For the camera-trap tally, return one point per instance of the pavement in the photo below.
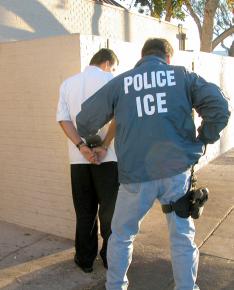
(32, 260)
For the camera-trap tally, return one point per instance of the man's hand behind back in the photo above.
(100, 153)
(89, 154)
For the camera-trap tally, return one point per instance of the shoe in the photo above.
(84, 268)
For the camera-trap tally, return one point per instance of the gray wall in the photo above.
(30, 19)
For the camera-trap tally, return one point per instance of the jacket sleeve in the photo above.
(211, 104)
(97, 110)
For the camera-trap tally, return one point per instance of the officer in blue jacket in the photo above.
(156, 145)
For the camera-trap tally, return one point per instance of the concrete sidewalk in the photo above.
(31, 260)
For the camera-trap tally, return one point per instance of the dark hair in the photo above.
(103, 55)
(157, 46)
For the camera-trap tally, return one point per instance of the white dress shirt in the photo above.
(73, 92)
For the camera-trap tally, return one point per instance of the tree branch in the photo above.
(150, 5)
(222, 36)
(194, 15)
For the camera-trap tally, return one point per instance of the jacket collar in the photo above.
(151, 58)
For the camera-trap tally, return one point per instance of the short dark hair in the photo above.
(157, 46)
(104, 54)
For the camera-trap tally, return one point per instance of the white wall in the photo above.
(34, 173)
(215, 69)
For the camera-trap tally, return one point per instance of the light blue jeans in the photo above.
(133, 202)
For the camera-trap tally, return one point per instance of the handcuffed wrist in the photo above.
(80, 144)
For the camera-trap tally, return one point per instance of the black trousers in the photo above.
(94, 191)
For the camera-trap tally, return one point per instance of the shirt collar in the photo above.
(93, 67)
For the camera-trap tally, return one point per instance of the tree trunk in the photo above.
(168, 11)
(168, 16)
(231, 50)
(208, 24)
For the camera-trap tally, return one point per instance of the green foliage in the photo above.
(177, 11)
(230, 4)
(159, 8)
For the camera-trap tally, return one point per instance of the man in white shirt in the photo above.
(94, 175)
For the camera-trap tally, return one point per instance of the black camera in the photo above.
(198, 198)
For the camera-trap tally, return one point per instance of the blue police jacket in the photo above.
(155, 131)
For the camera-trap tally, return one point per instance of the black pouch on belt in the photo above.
(181, 206)
(191, 204)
